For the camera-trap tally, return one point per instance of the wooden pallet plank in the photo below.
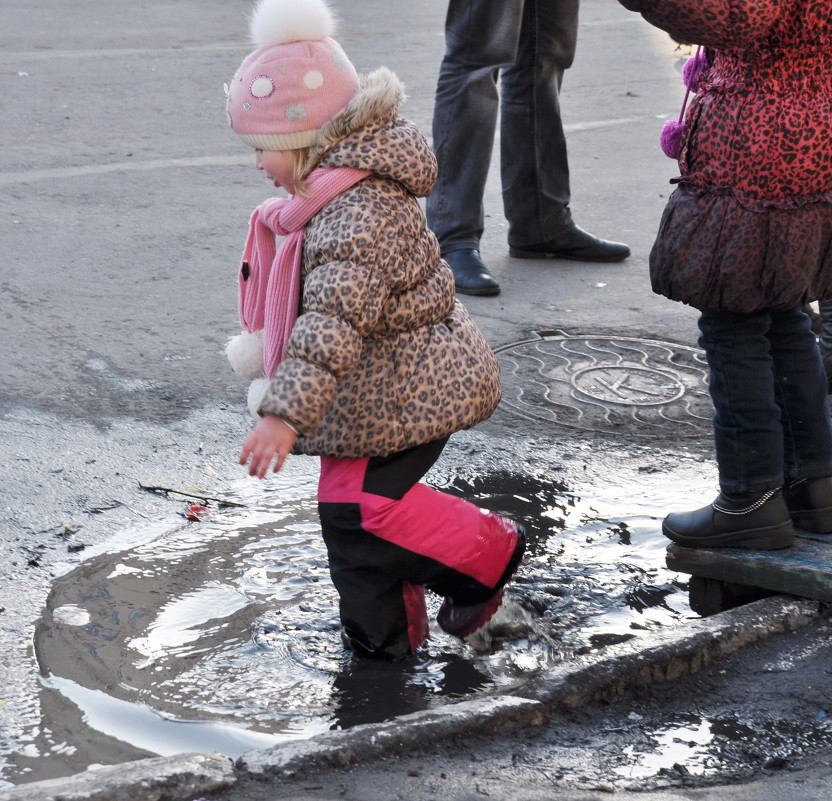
(805, 569)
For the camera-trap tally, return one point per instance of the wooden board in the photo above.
(805, 569)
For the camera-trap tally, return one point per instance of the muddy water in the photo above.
(722, 746)
(223, 635)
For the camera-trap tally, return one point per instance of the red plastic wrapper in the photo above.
(197, 512)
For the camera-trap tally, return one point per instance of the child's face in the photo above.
(279, 166)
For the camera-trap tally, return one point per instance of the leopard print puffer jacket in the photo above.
(382, 356)
(750, 225)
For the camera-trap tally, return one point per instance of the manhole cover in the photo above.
(607, 384)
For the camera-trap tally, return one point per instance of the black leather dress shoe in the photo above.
(759, 521)
(575, 244)
(470, 274)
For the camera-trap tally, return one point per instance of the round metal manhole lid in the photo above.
(607, 384)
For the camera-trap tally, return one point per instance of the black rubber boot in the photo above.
(810, 503)
(760, 520)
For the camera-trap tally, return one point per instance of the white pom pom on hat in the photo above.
(296, 80)
(276, 22)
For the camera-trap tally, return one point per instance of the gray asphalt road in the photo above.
(124, 205)
(122, 212)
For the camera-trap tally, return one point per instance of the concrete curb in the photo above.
(361, 743)
(652, 658)
(665, 655)
(184, 776)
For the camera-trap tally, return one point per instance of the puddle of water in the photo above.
(596, 573)
(684, 743)
(223, 635)
(723, 746)
(147, 729)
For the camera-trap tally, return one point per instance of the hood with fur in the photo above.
(369, 135)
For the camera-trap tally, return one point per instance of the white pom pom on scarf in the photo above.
(256, 392)
(245, 354)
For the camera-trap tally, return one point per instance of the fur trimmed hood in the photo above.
(368, 134)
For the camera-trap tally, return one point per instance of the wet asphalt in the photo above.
(123, 205)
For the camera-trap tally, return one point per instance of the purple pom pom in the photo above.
(694, 68)
(671, 138)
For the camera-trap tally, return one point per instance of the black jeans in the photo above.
(768, 386)
(527, 44)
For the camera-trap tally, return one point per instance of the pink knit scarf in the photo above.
(269, 279)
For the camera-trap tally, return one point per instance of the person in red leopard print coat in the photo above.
(746, 238)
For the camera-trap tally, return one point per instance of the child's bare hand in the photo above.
(270, 438)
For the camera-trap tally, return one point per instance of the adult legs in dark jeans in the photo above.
(825, 338)
(481, 37)
(534, 167)
(771, 428)
(532, 43)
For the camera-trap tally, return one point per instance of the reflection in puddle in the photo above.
(722, 746)
(684, 744)
(144, 728)
(224, 633)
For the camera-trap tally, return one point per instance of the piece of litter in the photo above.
(197, 512)
(66, 529)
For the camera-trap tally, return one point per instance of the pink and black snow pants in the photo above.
(390, 537)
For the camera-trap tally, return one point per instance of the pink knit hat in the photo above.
(295, 81)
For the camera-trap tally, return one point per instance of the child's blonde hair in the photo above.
(300, 170)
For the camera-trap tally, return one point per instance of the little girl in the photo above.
(746, 238)
(365, 357)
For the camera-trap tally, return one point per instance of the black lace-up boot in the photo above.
(759, 520)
